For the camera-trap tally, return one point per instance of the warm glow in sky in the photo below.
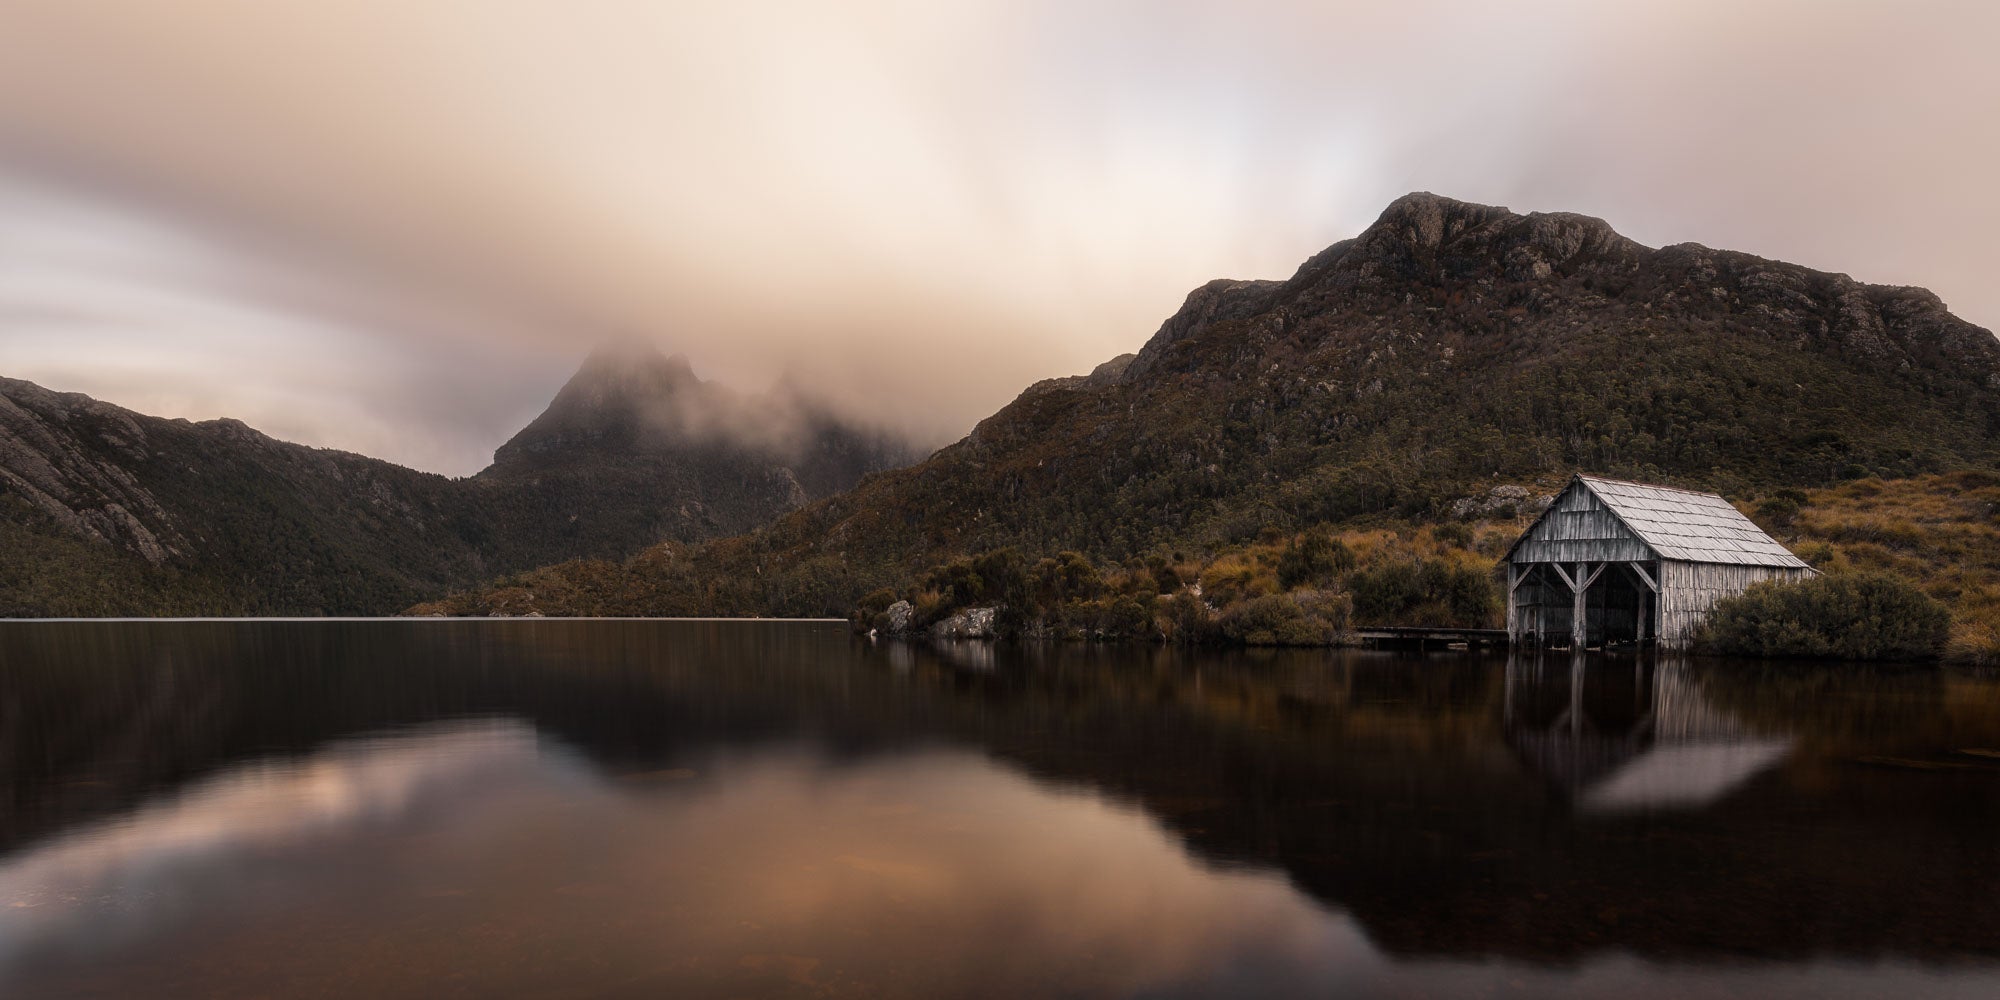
(395, 226)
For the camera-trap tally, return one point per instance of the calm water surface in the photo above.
(638, 809)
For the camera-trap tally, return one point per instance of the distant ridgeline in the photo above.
(1398, 375)
(1448, 349)
(108, 512)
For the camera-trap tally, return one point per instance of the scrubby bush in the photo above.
(1316, 558)
(1333, 608)
(871, 607)
(1004, 581)
(1387, 592)
(1274, 620)
(1125, 618)
(1454, 534)
(957, 581)
(1443, 592)
(931, 607)
(1781, 507)
(1184, 617)
(1237, 577)
(1860, 616)
(1069, 576)
(1003, 576)
(1974, 644)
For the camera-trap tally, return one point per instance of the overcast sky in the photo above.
(395, 227)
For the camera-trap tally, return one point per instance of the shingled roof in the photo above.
(1690, 526)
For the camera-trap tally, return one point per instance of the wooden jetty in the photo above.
(1420, 638)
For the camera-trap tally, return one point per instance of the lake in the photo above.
(731, 809)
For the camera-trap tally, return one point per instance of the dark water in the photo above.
(557, 809)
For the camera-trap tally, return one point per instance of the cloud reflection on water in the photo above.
(132, 872)
(458, 842)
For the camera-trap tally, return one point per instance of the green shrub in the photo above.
(1862, 616)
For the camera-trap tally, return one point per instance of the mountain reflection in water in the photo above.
(729, 809)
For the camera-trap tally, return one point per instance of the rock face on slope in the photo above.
(103, 510)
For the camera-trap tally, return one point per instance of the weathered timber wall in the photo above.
(1688, 590)
(1579, 528)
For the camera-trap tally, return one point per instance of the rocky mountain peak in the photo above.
(623, 393)
(1434, 270)
(632, 412)
(625, 370)
(1424, 220)
(1424, 236)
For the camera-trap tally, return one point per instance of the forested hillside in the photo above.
(1449, 348)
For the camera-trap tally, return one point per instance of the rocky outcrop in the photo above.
(66, 456)
(1501, 502)
(966, 623)
(898, 618)
(899, 621)
(1219, 300)
(1108, 373)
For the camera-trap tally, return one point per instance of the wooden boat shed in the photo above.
(1612, 561)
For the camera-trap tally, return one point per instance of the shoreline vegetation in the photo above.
(1924, 549)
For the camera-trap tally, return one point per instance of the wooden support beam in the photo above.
(1639, 573)
(1514, 575)
(1564, 574)
(1593, 574)
(1577, 634)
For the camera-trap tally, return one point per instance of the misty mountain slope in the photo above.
(1448, 346)
(636, 449)
(106, 511)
